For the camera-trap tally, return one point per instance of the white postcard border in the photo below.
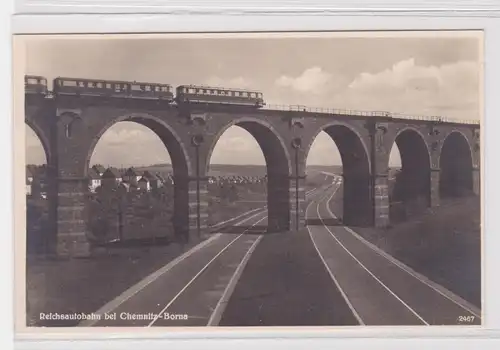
(161, 23)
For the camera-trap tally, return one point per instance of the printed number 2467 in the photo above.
(466, 319)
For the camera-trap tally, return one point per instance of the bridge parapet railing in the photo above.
(352, 112)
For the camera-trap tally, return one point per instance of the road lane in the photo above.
(250, 212)
(200, 299)
(221, 224)
(153, 297)
(431, 305)
(369, 298)
(139, 304)
(203, 300)
(285, 284)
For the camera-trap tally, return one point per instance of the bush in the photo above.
(131, 215)
(36, 225)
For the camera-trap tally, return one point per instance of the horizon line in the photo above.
(169, 164)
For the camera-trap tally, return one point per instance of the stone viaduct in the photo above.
(439, 157)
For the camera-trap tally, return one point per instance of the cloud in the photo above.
(402, 75)
(312, 80)
(236, 82)
(237, 146)
(324, 151)
(450, 90)
(123, 137)
(128, 143)
(35, 154)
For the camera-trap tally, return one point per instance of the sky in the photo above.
(417, 75)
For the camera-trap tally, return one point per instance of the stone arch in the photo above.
(348, 128)
(181, 163)
(44, 140)
(456, 166)
(411, 187)
(278, 164)
(39, 228)
(356, 165)
(256, 127)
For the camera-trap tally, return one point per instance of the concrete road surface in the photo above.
(379, 289)
(320, 276)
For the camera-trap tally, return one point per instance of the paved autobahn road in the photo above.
(196, 284)
(379, 289)
(321, 276)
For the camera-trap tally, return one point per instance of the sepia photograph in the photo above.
(249, 179)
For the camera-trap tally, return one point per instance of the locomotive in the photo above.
(35, 84)
(212, 95)
(107, 88)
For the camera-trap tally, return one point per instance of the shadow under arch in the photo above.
(411, 186)
(455, 162)
(181, 164)
(278, 165)
(357, 205)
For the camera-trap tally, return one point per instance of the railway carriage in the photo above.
(35, 84)
(108, 88)
(213, 95)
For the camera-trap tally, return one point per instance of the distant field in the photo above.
(250, 170)
(336, 169)
(230, 169)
